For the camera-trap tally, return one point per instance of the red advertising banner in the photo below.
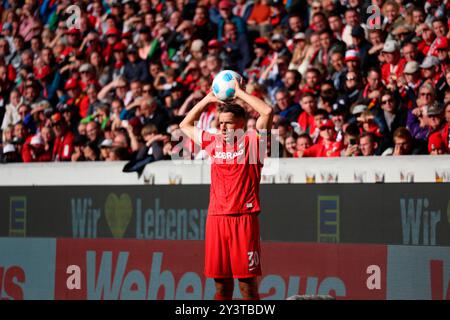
(144, 269)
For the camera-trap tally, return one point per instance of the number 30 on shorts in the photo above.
(253, 259)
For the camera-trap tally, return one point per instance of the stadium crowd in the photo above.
(115, 82)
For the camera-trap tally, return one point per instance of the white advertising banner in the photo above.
(404, 169)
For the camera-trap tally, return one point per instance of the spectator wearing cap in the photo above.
(426, 33)
(435, 118)
(352, 61)
(10, 154)
(328, 146)
(299, 48)
(88, 76)
(430, 70)
(236, 48)
(34, 150)
(112, 37)
(73, 42)
(226, 14)
(403, 34)
(105, 148)
(394, 64)
(436, 145)
(63, 147)
(440, 50)
(408, 85)
(339, 116)
(278, 45)
(135, 67)
(49, 81)
(74, 96)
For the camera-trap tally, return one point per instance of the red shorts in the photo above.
(232, 246)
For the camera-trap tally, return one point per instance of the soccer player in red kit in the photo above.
(232, 241)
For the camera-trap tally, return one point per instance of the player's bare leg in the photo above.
(224, 289)
(249, 288)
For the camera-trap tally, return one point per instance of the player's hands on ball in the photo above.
(211, 98)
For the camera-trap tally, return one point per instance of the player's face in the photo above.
(229, 124)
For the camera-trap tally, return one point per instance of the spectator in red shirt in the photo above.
(424, 31)
(394, 64)
(308, 103)
(328, 147)
(63, 148)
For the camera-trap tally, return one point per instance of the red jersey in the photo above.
(235, 173)
(306, 122)
(324, 150)
(387, 69)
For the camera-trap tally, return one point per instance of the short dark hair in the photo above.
(404, 133)
(369, 135)
(321, 112)
(233, 108)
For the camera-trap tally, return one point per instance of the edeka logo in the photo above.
(421, 272)
(17, 216)
(328, 219)
(419, 221)
(27, 268)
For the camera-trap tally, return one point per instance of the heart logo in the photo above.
(118, 211)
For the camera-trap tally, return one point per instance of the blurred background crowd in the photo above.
(113, 84)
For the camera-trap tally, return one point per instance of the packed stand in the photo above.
(116, 84)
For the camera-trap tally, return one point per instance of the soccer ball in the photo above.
(223, 84)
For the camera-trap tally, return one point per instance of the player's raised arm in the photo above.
(188, 123)
(265, 111)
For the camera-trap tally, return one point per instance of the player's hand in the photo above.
(211, 98)
(238, 88)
